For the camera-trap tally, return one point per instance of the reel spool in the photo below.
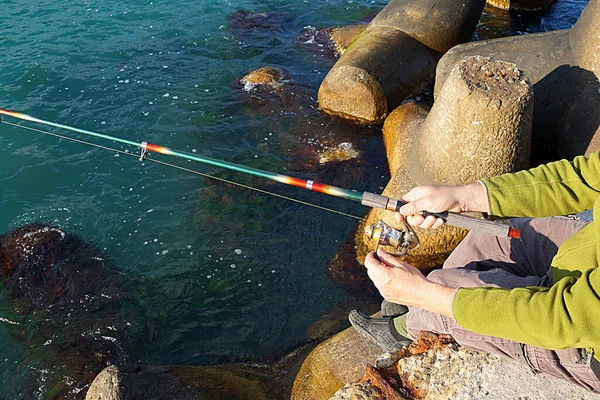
(401, 240)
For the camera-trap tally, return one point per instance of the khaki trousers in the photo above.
(485, 260)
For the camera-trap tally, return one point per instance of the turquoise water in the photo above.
(235, 275)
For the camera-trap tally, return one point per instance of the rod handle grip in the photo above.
(496, 228)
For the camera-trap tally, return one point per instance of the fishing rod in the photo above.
(381, 232)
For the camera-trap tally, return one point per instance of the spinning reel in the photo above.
(401, 240)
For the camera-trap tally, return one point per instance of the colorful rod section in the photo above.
(285, 179)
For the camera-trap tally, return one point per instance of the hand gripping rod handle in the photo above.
(496, 228)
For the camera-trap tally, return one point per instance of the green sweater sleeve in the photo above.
(563, 316)
(558, 188)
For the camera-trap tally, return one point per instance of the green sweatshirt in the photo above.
(567, 315)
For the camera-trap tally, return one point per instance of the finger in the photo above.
(415, 220)
(399, 217)
(439, 222)
(428, 222)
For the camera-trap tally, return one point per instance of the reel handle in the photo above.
(497, 228)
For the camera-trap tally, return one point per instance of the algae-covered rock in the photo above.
(331, 364)
(521, 5)
(181, 383)
(66, 304)
(244, 21)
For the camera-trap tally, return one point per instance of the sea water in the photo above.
(236, 275)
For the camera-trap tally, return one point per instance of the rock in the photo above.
(395, 56)
(181, 383)
(266, 76)
(331, 364)
(398, 131)
(358, 391)
(269, 89)
(521, 5)
(68, 305)
(342, 152)
(564, 68)
(436, 368)
(480, 126)
(106, 386)
(242, 21)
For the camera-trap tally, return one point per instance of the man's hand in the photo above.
(472, 197)
(401, 283)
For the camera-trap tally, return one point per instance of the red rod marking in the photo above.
(156, 148)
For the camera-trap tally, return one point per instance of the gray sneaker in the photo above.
(380, 331)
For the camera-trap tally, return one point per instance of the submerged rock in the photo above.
(271, 77)
(317, 41)
(179, 382)
(521, 5)
(66, 305)
(342, 152)
(270, 89)
(247, 21)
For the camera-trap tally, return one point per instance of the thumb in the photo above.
(375, 267)
(387, 259)
(414, 207)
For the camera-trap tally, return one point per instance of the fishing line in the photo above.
(368, 199)
(185, 169)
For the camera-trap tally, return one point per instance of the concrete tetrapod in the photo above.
(480, 126)
(564, 68)
(395, 56)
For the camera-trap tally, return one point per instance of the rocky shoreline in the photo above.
(500, 105)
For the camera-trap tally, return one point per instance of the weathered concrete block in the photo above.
(564, 68)
(395, 56)
(480, 126)
(344, 36)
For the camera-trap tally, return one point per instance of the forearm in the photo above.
(437, 298)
